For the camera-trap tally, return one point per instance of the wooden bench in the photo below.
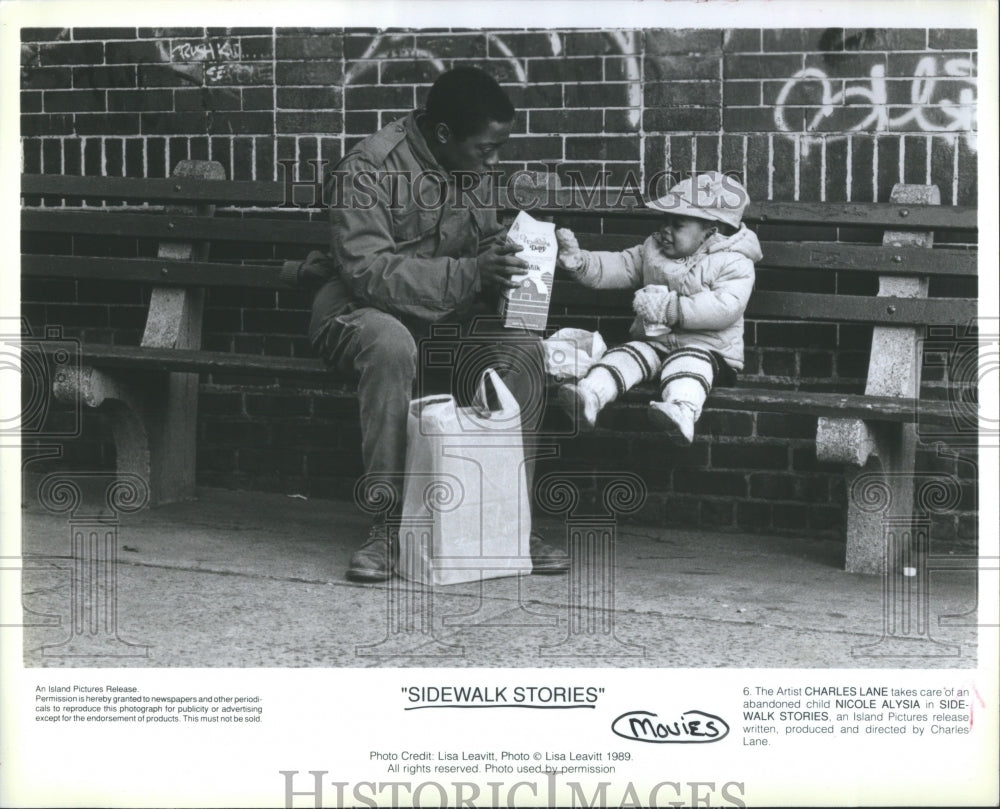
(168, 234)
(877, 263)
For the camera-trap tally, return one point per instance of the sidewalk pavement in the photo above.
(246, 579)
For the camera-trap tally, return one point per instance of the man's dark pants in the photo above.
(394, 362)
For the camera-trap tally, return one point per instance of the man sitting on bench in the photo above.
(415, 242)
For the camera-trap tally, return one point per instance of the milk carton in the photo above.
(527, 305)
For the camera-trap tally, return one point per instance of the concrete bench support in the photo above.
(893, 370)
(154, 417)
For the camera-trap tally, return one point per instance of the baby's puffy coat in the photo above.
(713, 287)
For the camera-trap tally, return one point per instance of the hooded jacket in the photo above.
(713, 286)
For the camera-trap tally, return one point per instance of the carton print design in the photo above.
(527, 306)
(539, 245)
(534, 288)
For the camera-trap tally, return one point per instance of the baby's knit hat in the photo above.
(712, 195)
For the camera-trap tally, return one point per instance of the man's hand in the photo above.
(569, 257)
(498, 264)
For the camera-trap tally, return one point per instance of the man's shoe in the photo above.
(675, 418)
(546, 559)
(375, 560)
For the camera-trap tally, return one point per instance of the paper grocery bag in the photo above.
(465, 504)
(569, 353)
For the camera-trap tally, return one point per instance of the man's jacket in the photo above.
(405, 235)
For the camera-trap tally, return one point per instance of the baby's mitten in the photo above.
(656, 304)
(570, 257)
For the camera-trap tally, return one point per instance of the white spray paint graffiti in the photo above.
(383, 47)
(214, 62)
(386, 46)
(207, 50)
(957, 116)
(626, 42)
(500, 45)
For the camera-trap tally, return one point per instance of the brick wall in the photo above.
(814, 114)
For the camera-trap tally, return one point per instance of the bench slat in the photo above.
(954, 263)
(763, 304)
(141, 189)
(838, 405)
(169, 226)
(153, 270)
(825, 256)
(877, 215)
(841, 405)
(794, 306)
(576, 202)
(195, 361)
(887, 311)
(833, 256)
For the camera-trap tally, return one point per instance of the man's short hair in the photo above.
(467, 99)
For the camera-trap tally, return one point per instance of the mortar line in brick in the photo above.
(822, 170)
(642, 99)
(849, 162)
(796, 167)
(274, 104)
(722, 107)
(770, 166)
(745, 167)
(875, 141)
(902, 159)
(956, 144)
(928, 146)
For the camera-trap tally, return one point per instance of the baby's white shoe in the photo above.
(676, 418)
(581, 404)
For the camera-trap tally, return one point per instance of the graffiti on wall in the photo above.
(214, 62)
(206, 50)
(395, 46)
(866, 106)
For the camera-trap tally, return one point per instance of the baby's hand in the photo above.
(656, 304)
(569, 257)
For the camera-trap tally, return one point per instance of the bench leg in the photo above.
(172, 431)
(152, 425)
(893, 370)
(879, 494)
(879, 463)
